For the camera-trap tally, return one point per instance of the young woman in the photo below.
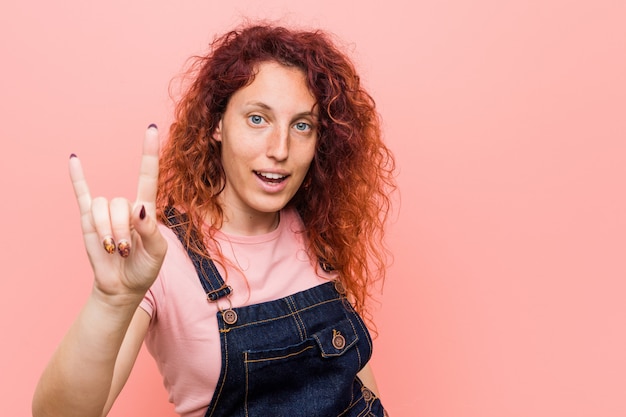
(246, 260)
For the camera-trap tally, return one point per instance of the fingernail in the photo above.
(109, 244)
(142, 213)
(72, 155)
(152, 126)
(123, 247)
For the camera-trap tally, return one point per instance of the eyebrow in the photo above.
(301, 114)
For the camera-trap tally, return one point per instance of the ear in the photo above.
(217, 133)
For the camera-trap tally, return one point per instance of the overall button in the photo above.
(339, 342)
(340, 288)
(367, 394)
(229, 316)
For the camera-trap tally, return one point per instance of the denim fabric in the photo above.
(297, 356)
(279, 359)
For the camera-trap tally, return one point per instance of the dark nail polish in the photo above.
(142, 213)
(72, 155)
(123, 248)
(152, 125)
(108, 244)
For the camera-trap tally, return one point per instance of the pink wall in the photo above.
(507, 293)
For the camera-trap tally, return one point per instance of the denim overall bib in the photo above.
(297, 356)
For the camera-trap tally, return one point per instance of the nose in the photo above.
(278, 144)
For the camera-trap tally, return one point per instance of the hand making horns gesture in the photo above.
(124, 244)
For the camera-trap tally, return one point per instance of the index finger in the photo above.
(81, 189)
(149, 170)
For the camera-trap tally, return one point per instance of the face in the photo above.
(268, 136)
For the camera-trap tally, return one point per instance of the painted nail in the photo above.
(72, 155)
(123, 247)
(152, 125)
(142, 213)
(109, 244)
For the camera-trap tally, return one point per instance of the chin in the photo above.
(270, 206)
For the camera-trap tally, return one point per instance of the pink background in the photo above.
(507, 295)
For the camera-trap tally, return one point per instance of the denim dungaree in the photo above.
(297, 356)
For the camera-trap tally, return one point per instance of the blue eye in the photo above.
(301, 126)
(255, 119)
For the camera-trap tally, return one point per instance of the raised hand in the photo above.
(122, 239)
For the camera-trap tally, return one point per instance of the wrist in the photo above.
(119, 302)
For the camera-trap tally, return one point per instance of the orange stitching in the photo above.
(277, 357)
(245, 401)
(222, 381)
(284, 316)
(299, 322)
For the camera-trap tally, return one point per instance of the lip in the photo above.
(269, 186)
(272, 171)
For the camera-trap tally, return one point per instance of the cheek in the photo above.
(309, 155)
(304, 166)
(237, 154)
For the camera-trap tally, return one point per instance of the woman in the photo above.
(272, 194)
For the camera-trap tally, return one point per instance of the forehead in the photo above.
(276, 86)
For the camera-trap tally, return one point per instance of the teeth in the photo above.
(271, 175)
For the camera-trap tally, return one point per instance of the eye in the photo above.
(255, 119)
(302, 126)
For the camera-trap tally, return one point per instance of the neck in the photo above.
(247, 224)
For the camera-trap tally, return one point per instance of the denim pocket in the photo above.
(330, 342)
(336, 340)
(314, 377)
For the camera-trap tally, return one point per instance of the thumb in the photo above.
(151, 238)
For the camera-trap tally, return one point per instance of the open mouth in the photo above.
(270, 177)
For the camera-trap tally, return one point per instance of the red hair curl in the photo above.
(344, 199)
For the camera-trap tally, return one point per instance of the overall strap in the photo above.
(210, 278)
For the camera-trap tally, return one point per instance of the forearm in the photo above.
(77, 381)
(88, 367)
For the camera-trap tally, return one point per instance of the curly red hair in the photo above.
(344, 199)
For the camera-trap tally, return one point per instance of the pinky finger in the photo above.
(81, 189)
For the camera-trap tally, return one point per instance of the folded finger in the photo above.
(119, 212)
(102, 223)
(151, 239)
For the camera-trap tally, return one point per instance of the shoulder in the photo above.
(168, 234)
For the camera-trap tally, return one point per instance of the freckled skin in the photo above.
(269, 137)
